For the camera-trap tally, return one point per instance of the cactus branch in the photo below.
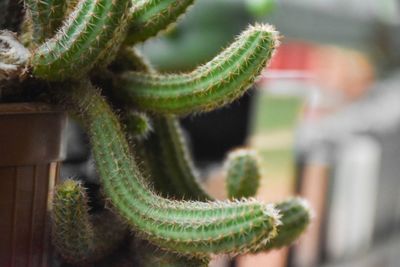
(92, 33)
(242, 173)
(152, 16)
(78, 237)
(46, 16)
(210, 86)
(176, 160)
(295, 217)
(194, 228)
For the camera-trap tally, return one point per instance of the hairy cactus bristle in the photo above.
(78, 237)
(193, 228)
(92, 33)
(152, 16)
(208, 87)
(295, 218)
(46, 16)
(242, 173)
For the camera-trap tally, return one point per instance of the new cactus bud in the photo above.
(208, 87)
(91, 34)
(137, 124)
(78, 237)
(242, 173)
(152, 16)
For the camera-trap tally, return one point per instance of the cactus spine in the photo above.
(210, 86)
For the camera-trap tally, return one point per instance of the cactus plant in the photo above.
(74, 44)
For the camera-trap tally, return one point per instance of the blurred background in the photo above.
(324, 118)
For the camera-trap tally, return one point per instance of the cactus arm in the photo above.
(242, 173)
(91, 33)
(194, 228)
(46, 16)
(208, 87)
(77, 236)
(152, 16)
(176, 159)
(295, 217)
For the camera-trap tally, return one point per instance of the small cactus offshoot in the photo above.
(242, 173)
(65, 51)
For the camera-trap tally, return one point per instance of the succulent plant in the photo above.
(149, 182)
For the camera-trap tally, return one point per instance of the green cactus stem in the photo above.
(193, 228)
(78, 237)
(295, 218)
(46, 17)
(91, 34)
(242, 173)
(208, 87)
(152, 16)
(176, 160)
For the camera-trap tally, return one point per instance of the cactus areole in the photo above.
(78, 52)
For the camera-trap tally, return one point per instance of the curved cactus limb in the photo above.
(242, 173)
(213, 85)
(46, 16)
(77, 236)
(92, 33)
(152, 16)
(295, 217)
(176, 160)
(194, 228)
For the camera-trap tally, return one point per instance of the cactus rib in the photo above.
(91, 33)
(208, 87)
(242, 173)
(194, 228)
(77, 236)
(152, 16)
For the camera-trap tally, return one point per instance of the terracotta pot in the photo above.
(30, 151)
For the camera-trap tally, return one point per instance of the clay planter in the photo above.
(30, 151)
